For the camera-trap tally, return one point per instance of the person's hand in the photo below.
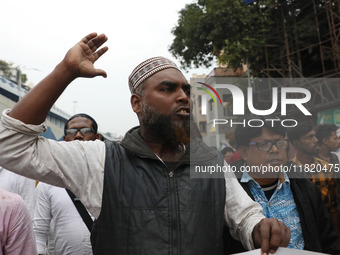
(80, 58)
(270, 234)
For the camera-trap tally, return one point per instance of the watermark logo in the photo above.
(204, 104)
(239, 99)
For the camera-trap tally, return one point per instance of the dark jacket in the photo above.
(318, 233)
(148, 210)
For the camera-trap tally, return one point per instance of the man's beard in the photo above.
(163, 128)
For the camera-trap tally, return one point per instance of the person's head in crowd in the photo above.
(303, 138)
(161, 99)
(81, 127)
(262, 146)
(227, 152)
(327, 137)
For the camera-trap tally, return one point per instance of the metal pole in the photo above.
(19, 82)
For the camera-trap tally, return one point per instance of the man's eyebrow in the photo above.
(171, 83)
(187, 85)
(168, 83)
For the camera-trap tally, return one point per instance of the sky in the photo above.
(36, 35)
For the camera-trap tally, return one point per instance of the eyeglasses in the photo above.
(83, 131)
(267, 145)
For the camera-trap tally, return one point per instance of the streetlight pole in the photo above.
(19, 82)
(74, 106)
(18, 78)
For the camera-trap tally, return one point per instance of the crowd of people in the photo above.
(137, 196)
(304, 200)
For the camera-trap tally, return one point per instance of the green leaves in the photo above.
(7, 70)
(258, 34)
(226, 29)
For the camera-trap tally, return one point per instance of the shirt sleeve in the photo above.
(26, 188)
(65, 164)
(20, 237)
(241, 212)
(42, 217)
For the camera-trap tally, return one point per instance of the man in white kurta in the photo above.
(58, 227)
(55, 213)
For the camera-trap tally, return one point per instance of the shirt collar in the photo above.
(247, 178)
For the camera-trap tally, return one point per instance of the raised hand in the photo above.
(78, 62)
(80, 58)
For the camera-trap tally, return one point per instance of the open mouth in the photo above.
(184, 111)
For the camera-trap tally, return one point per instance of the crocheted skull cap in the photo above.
(148, 68)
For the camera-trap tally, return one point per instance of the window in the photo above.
(211, 102)
(203, 126)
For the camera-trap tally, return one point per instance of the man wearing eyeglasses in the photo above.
(81, 127)
(58, 226)
(296, 202)
(139, 191)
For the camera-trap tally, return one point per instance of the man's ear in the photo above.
(243, 150)
(99, 137)
(136, 103)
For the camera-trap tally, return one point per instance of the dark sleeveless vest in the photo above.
(147, 211)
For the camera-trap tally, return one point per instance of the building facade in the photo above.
(10, 93)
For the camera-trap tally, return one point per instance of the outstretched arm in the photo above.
(78, 62)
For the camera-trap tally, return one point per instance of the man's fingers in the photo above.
(100, 52)
(93, 42)
(285, 235)
(261, 235)
(96, 42)
(265, 237)
(270, 234)
(89, 37)
(276, 235)
(101, 72)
